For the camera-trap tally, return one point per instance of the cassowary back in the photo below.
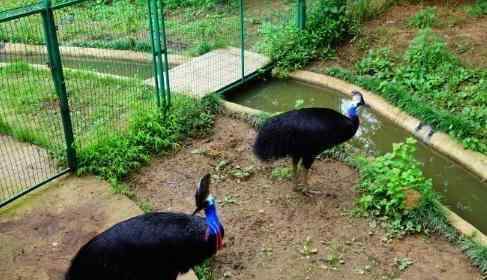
(303, 132)
(150, 246)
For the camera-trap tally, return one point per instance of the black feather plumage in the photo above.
(303, 134)
(150, 246)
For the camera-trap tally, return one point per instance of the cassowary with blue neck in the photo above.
(154, 246)
(305, 133)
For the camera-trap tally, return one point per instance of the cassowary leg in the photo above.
(307, 162)
(295, 171)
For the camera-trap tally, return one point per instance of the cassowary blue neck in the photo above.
(212, 220)
(352, 111)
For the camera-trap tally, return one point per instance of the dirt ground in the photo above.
(272, 232)
(40, 233)
(465, 35)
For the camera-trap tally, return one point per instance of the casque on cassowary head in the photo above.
(305, 133)
(152, 246)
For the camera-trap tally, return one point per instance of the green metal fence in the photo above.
(73, 71)
(70, 73)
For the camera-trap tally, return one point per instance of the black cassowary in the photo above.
(305, 133)
(154, 246)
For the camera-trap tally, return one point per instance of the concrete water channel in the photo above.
(463, 192)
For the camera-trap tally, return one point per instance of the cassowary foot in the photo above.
(306, 191)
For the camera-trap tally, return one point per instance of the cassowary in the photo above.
(305, 133)
(154, 246)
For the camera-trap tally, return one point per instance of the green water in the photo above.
(462, 191)
(130, 69)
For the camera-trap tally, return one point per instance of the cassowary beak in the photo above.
(202, 193)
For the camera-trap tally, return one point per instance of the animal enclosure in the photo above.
(72, 72)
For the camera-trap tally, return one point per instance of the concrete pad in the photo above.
(22, 165)
(40, 233)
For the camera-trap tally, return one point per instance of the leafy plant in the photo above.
(281, 173)
(204, 271)
(403, 263)
(427, 17)
(291, 48)
(385, 183)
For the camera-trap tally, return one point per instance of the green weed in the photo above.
(281, 173)
(427, 17)
(204, 271)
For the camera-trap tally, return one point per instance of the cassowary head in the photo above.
(357, 98)
(357, 101)
(202, 196)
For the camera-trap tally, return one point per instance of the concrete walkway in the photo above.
(212, 71)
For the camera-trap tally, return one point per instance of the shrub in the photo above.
(393, 186)
(425, 18)
(291, 48)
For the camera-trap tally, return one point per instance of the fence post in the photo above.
(55, 63)
(242, 38)
(159, 53)
(301, 14)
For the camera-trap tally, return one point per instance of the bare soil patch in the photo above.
(275, 233)
(465, 35)
(40, 233)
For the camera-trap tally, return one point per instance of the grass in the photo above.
(204, 271)
(427, 17)
(430, 83)
(30, 111)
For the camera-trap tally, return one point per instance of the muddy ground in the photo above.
(275, 233)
